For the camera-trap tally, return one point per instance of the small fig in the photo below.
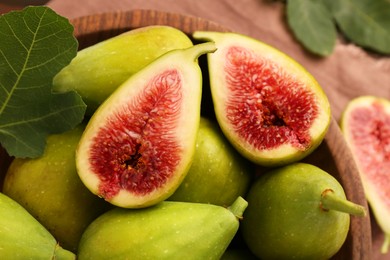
(139, 144)
(23, 237)
(49, 188)
(365, 124)
(98, 70)
(218, 174)
(270, 108)
(297, 212)
(169, 230)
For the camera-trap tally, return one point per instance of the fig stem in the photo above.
(386, 244)
(238, 207)
(330, 201)
(199, 49)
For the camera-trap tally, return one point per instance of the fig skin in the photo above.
(369, 143)
(139, 144)
(169, 230)
(218, 174)
(287, 217)
(99, 69)
(23, 237)
(247, 121)
(50, 189)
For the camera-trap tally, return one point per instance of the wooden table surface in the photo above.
(349, 72)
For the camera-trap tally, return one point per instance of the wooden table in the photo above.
(349, 72)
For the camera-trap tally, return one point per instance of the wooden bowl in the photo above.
(333, 155)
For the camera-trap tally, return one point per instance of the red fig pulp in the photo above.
(269, 107)
(139, 144)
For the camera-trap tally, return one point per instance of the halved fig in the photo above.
(365, 124)
(139, 144)
(270, 108)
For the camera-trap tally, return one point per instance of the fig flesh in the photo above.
(269, 107)
(139, 144)
(297, 211)
(218, 174)
(169, 230)
(49, 188)
(365, 124)
(23, 237)
(99, 69)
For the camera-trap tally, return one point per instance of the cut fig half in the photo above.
(270, 108)
(365, 124)
(139, 144)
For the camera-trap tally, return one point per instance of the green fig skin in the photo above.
(169, 230)
(284, 219)
(50, 189)
(23, 237)
(218, 174)
(98, 70)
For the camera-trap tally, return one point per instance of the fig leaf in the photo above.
(36, 43)
(312, 24)
(365, 22)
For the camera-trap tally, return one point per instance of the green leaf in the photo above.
(36, 43)
(365, 22)
(312, 24)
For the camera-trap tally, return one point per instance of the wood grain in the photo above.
(332, 156)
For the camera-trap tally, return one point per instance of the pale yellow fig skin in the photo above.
(50, 189)
(23, 237)
(377, 204)
(186, 124)
(169, 230)
(283, 154)
(98, 70)
(218, 174)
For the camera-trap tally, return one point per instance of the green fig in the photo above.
(139, 144)
(50, 189)
(169, 230)
(98, 70)
(218, 174)
(23, 237)
(269, 107)
(297, 212)
(365, 124)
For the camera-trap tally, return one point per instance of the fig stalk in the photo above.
(238, 207)
(330, 201)
(200, 49)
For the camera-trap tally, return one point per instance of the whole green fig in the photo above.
(169, 230)
(50, 189)
(23, 237)
(297, 212)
